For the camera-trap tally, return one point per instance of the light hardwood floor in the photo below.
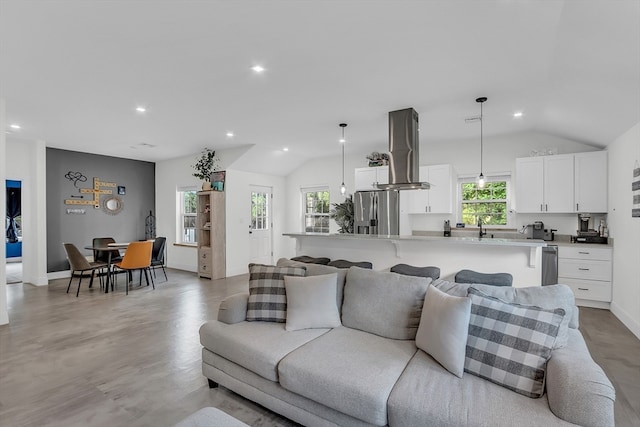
(116, 360)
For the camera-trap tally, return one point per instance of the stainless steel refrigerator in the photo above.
(377, 212)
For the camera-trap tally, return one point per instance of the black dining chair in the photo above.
(157, 255)
(79, 264)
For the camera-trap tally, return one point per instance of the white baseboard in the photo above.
(593, 304)
(625, 318)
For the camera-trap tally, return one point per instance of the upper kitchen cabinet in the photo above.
(368, 178)
(438, 198)
(545, 184)
(591, 182)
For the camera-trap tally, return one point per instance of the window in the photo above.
(316, 210)
(188, 202)
(259, 211)
(489, 204)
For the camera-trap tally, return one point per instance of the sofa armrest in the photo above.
(578, 390)
(233, 309)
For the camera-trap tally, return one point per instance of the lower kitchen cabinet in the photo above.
(587, 270)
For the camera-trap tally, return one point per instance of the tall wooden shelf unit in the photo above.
(211, 235)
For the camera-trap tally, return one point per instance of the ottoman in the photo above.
(210, 417)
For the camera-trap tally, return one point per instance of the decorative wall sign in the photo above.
(76, 211)
(635, 191)
(121, 190)
(96, 191)
(75, 177)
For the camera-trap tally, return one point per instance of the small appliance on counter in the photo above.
(586, 233)
(537, 230)
(447, 229)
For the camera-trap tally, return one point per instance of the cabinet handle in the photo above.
(426, 209)
(584, 253)
(583, 289)
(583, 269)
(541, 210)
(577, 207)
(546, 207)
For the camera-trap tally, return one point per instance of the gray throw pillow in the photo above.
(383, 303)
(443, 329)
(267, 296)
(509, 344)
(311, 302)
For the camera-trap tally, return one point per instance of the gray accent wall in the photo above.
(137, 177)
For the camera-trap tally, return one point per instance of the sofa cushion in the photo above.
(510, 344)
(256, 346)
(348, 370)
(267, 296)
(427, 395)
(410, 270)
(547, 297)
(311, 302)
(343, 263)
(318, 270)
(383, 303)
(443, 330)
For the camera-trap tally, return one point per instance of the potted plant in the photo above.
(378, 159)
(206, 163)
(342, 214)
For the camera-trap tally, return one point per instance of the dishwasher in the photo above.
(550, 265)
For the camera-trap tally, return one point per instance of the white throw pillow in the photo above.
(443, 330)
(311, 302)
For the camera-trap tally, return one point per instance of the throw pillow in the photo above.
(443, 329)
(267, 297)
(383, 303)
(311, 302)
(509, 344)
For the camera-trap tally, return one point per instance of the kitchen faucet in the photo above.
(481, 233)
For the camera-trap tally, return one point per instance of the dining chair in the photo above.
(79, 264)
(157, 255)
(137, 257)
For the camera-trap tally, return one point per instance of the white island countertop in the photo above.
(531, 243)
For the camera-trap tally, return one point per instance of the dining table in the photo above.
(109, 248)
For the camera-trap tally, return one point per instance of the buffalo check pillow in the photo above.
(267, 296)
(509, 344)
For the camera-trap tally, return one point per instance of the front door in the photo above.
(261, 226)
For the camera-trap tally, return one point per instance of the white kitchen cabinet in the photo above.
(438, 198)
(591, 182)
(545, 184)
(587, 270)
(369, 178)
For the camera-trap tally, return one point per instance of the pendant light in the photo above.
(481, 180)
(343, 188)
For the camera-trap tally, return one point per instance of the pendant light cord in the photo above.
(481, 142)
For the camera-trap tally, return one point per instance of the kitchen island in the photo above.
(519, 257)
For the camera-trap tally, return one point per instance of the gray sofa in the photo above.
(369, 371)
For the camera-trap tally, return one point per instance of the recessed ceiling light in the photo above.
(258, 69)
(517, 114)
(15, 126)
(141, 109)
(230, 134)
(285, 149)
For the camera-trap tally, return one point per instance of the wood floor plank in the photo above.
(117, 360)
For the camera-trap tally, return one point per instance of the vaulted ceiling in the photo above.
(72, 72)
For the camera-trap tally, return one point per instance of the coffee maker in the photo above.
(585, 225)
(538, 230)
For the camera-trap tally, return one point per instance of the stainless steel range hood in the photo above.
(404, 155)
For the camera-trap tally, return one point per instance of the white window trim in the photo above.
(180, 215)
(489, 177)
(303, 204)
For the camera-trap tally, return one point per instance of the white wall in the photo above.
(171, 175)
(623, 153)
(238, 212)
(28, 164)
(176, 173)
